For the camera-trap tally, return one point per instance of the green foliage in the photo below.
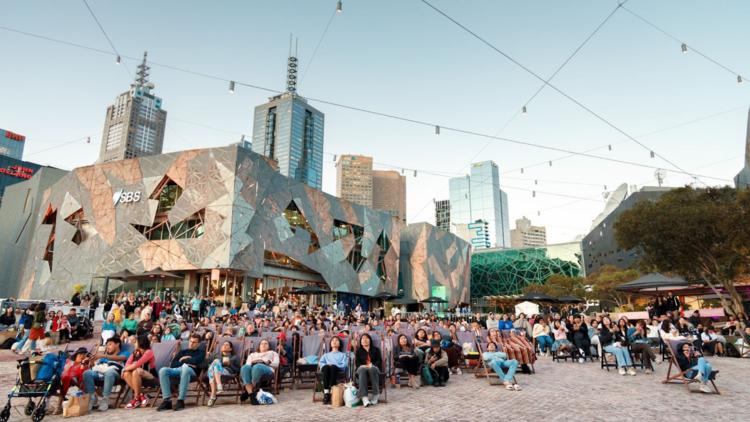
(604, 282)
(699, 234)
(559, 285)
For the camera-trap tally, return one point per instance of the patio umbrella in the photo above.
(403, 301)
(120, 275)
(434, 300)
(385, 296)
(569, 299)
(536, 297)
(653, 281)
(153, 274)
(310, 290)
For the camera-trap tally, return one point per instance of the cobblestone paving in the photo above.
(557, 392)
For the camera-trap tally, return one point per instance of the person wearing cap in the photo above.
(437, 360)
(73, 372)
(285, 351)
(497, 361)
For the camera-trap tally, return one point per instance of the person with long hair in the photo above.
(263, 362)
(331, 364)
(139, 366)
(561, 344)
(641, 345)
(37, 336)
(541, 335)
(616, 343)
(406, 355)
(368, 362)
(690, 358)
(223, 362)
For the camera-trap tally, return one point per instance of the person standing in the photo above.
(37, 336)
(673, 303)
(195, 307)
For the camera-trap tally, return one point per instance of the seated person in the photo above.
(561, 344)
(406, 355)
(594, 336)
(731, 326)
(331, 364)
(653, 333)
(263, 362)
(541, 334)
(368, 361)
(285, 351)
(130, 324)
(615, 342)
(223, 362)
(640, 345)
(72, 373)
(690, 358)
(168, 334)
(139, 366)
(182, 366)
(581, 338)
(497, 361)
(711, 342)
(421, 341)
(437, 360)
(115, 359)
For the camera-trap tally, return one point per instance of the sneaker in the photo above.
(365, 402)
(631, 371)
(622, 371)
(104, 404)
(179, 406)
(374, 399)
(648, 371)
(581, 360)
(706, 389)
(326, 398)
(211, 402)
(458, 371)
(165, 405)
(144, 400)
(133, 403)
(220, 391)
(93, 401)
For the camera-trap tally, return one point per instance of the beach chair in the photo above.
(681, 376)
(396, 365)
(377, 341)
(305, 374)
(744, 348)
(507, 345)
(342, 376)
(195, 388)
(163, 354)
(483, 369)
(232, 383)
(463, 338)
(119, 384)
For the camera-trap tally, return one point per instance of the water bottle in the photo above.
(398, 380)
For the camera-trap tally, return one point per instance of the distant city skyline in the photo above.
(415, 65)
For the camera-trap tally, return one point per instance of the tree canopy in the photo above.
(559, 285)
(604, 282)
(701, 234)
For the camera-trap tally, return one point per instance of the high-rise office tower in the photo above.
(443, 214)
(478, 197)
(135, 123)
(11, 144)
(389, 192)
(290, 131)
(525, 235)
(354, 179)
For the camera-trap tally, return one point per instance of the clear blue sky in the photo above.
(400, 57)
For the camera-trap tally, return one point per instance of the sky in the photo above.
(402, 58)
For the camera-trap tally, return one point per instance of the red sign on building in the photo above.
(18, 171)
(15, 136)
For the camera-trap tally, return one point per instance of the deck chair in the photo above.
(163, 354)
(231, 383)
(681, 376)
(396, 365)
(267, 382)
(744, 348)
(377, 341)
(305, 374)
(119, 382)
(463, 338)
(195, 388)
(506, 338)
(483, 369)
(342, 376)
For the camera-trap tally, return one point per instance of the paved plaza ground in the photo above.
(557, 392)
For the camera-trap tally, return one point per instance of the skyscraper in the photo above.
(389, 192)
(354, 179)
(135, 123)
(525, 235)
(11, 144)
(478, 197)
(290, 131)
(443, 214)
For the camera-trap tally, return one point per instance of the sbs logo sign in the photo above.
(124, 197)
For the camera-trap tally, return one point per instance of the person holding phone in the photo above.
(691, 359)
(263, 362)
(224, 362)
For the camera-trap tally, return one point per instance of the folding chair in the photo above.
(464, 338)
(119, 382)
(305, 374)
(483, 369)
(342, 376)
(507, 345)
(744, 348)
(377, 341)
(163, 354)
(192, 392)
(396, 364)
(673, 345)
(231, 383)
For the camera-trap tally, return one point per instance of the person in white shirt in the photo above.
(711, 342)
(492, 322)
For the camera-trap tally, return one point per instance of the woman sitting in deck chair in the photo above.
(263, 362)
(368, 361)
(406, 355)
(689, 358)
(223, 362)
(331, 364)
(139, 366)
(497, 361)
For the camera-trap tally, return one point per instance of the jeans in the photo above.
(545, 342)
(622, 355)
(166, 374)
(703, 367)
(584, 344)
(211, 311)
(253, 373)
(363, 376)
(109, 378)
(510, 365)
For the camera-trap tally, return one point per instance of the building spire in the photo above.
(141, 76)
(291, 69)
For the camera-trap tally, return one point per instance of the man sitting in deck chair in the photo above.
(183, 366)
(498, 360)
(687, 358)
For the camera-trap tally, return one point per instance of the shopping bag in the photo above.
(350, 396)
(337, 395)
(78, 405)
(265, 397)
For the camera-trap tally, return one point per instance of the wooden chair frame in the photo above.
(232, 381)
(327, 347)
(682, 374)
(153, 386)
(383, 376)
(306, 375)
(174, 384)
(483, 369)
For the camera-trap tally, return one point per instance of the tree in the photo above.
(559, 285)
(701, 234)
(604, 282)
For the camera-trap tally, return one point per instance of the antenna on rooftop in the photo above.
(291, 68)
(141, 76)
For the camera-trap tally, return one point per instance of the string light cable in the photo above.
(118, 61)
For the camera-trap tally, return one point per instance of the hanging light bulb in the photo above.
(243, 138)
(550, 163)
(610, 147)
(521, 169)
(402, 171)
(684, 48)
(334, 157)
(538, 213)
(536, 182)
(437, 130)
(117, 62)
(338, 7)
(415, 173)
(739, 79)
(652, 154)
(231, 87)
(88, 139)
(605, 187)
(524, 110)
(533, 194)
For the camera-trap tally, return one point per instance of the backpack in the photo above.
(53, 365)
(731, 350)
(426, 375)
(8, 343)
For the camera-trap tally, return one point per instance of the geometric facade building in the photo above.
(199, 212)
(478, 197)
(434, 263)
(502, 272)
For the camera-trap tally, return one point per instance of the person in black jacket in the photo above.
(8, 319)
(691, 359)
(368, 362)
(615, 342)
(581, 338)
(183, 366)
(673, 303)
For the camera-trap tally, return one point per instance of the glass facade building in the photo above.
(479, 197)
(290, 131)
(11, 144)
(501, 272)
(13, 171)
